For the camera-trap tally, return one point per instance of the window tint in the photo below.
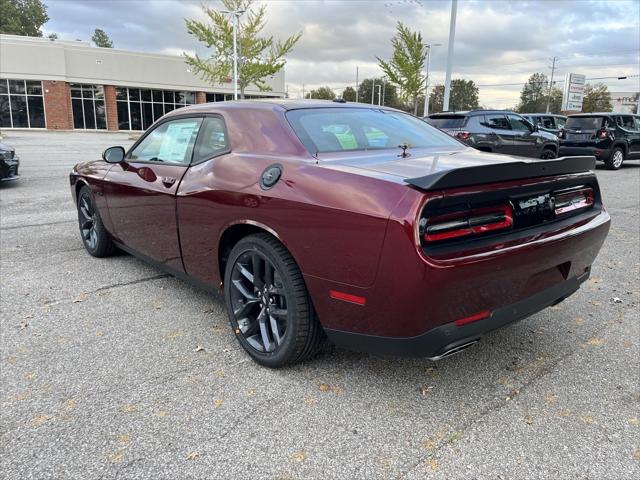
(497, 121)
(584, 123)
(212, 140)
(626, 122)
(560, 121)
(547, 122)
(519, 123)
(637, 122)
(337, 129)
(171, 142)
(452, 121)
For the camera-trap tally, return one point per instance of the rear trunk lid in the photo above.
(583, 128)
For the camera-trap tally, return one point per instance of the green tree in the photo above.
(101, 39)
(322, 93)
(388, 91)
(555, 105)
(52, 36)
(258, 57)
(463, 96)
(596, 98)
(405, 67)
(533, 97)
(349, 94)
(22, 17)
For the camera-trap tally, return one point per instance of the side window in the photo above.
(212, 140)
(170, 142)
(626, 122)
(637, 122)
(519, 123)
(560, 121)
(547, 122)
(497, 121)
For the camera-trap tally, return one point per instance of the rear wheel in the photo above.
(614, 162)
(95, 237)
(548, 153)
(268, 304)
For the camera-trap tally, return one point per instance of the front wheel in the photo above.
(614, 162)
(268, 305)
(548, 154)
(95, 238)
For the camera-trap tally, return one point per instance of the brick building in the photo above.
(62, 85)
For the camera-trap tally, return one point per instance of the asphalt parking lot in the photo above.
(111, 369)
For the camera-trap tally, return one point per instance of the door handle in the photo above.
(168, 181)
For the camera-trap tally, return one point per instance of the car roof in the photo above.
(270, 103)
(471, 112)
(543, 115)
(602, 114)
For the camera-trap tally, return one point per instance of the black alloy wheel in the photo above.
(95, 238)
(548, 154)
(268, 304)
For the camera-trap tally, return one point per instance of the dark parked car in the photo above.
(497, 131)
(547, 122)
(313, 221)
(9, 163)
(610, 137)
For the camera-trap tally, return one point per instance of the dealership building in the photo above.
(63, 85)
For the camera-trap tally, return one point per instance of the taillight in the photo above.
(570, 201)
(463, 135)
(603, 133)
(469, 222)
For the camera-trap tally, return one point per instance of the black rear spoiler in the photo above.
(502, 172)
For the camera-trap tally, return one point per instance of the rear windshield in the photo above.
(338, 129)
(584, 123)
(451, 121)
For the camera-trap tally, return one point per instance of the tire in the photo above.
(261, 278)
(95, 238)
(548, 153)
(614, 162)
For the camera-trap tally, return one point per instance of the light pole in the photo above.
(236, 15)
(452, 34)
(426, 85)
(384, 84)
(373, 90)
(379, 87)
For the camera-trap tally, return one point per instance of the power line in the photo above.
(620, 77)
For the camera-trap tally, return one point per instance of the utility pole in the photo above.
(384, 84)
(303, 91)
(452, 34)
(236, 15)
(427, 80)
(373, 90)
(356, 84)
(553, 70)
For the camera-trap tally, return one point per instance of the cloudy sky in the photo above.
(498, 43)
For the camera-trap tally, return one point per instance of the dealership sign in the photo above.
(573, 92)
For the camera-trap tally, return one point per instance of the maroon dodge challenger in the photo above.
(359, 223)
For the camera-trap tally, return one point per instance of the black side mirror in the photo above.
(113, 155)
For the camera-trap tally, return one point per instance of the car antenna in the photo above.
(404, 153)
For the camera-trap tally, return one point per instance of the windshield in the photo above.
(584, 123)
(340, 129)
(453, 121)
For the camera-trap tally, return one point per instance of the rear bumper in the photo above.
(437, 341)
(573, 151)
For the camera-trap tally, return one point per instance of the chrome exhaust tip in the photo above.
(454, 350)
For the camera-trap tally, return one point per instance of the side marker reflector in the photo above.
(473, 318)
(347, 297)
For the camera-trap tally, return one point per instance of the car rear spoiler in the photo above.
(502, 172)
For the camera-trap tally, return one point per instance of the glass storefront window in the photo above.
(87, 105)
(21, 104)
(139, 108)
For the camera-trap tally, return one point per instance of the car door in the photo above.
(498, 135)
(634, 141)
(628, 125)
(524, 141)
(141, 191)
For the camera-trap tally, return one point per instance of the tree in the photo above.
(463, 96)
(322, 93)
(22, 17)
(101, 39)
(596, 98)
(389, 93)
(349, 94)
(52, 36)
(258, 57)
(533, 97)
(405, 67)
(555, 105)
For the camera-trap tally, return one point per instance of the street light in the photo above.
(452, 34)
(379, 87)
(426, 86)
(236, 15)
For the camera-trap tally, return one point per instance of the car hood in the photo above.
(388, 165)
(6, 148)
